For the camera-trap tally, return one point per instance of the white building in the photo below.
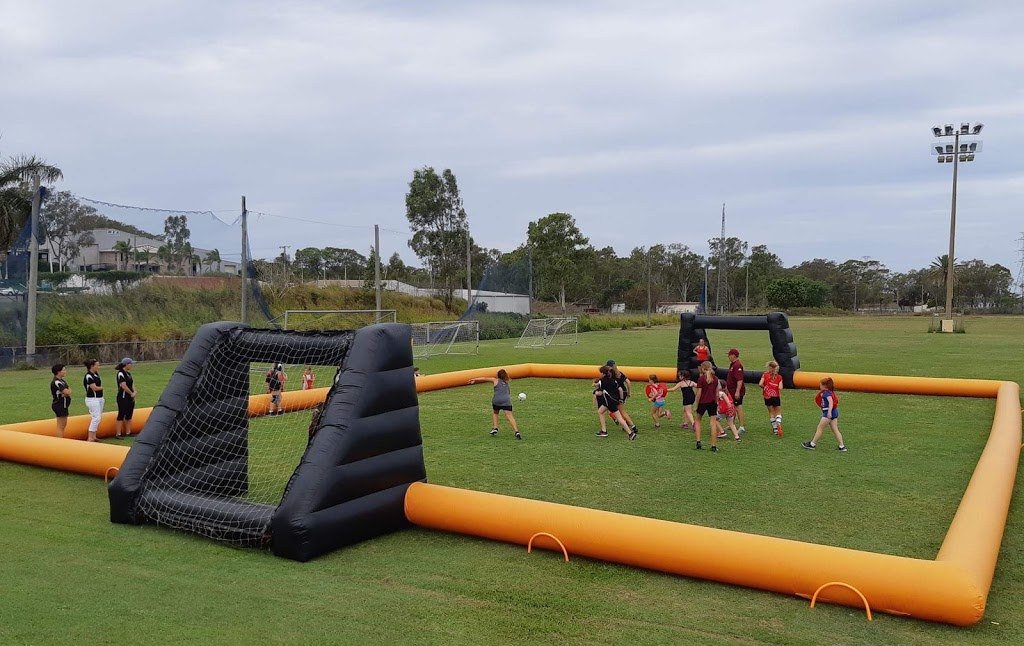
(101, 255)
(496, 301)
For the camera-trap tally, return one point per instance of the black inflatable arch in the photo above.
(693, 327)
(363, 453)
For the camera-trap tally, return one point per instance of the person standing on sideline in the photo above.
(686, 385)
(308, 378)
(275, 386)
(707, 403)
(61, 395)
(501, 401)
(829, 402)
(703, 351)
(735, 385)
(771, 385)
(125, 397)
(93, 395)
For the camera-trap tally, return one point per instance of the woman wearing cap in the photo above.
(125, 397)
(93, 395)
(61, 394)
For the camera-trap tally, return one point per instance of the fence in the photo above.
(105, 352)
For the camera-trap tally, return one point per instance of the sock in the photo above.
(813, 444)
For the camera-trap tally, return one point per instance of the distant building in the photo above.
(677, 308)
(101, 256)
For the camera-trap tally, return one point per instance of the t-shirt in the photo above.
(57, 386)
(90, 379)
(707, 390)
(726, 406)
(703, 352)
(623, 383)
(274, 380)
(124, 377)
(772, 385)
(610, 388)
(823, 398)
(307, 381)
(735, 378)
(502, 394)
(656, 392)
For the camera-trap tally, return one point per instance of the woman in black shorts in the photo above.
(686, 385)
(61, 394)
(125, 397)
(707, 403)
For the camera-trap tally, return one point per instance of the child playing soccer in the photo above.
(829, 402)
(610, 398)
(686, 385)
(771, 386)
(727, 414)
(501, 401)
(656, 393)
(707, 387)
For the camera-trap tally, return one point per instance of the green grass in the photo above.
(71, 576)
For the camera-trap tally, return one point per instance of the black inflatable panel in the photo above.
(692, 328)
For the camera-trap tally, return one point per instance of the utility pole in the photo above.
(648, 287)
(746, 297)
(284, 261)
(469, 268)
(721, 265)
(376, 266)
(245, 264)
(1020, 270)
(33, 269)
(529, 262)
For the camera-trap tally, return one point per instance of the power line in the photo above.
(153, 209)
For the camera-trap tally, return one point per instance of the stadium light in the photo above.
(954, 153)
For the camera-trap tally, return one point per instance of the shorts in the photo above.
(125, 408)
(689, 396)
(660, 404)
(835, 413)
(601, 401)
(612, 405)
(59, 410)
(773, 401)
(710, 408)
(501, 407)
(275, 398)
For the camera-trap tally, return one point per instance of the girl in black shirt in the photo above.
(61, 395)
(93, 395)
(125, 397)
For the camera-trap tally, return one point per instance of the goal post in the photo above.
(445, 337)
(541, 333)
(335, 319)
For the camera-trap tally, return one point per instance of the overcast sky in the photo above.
(811, 120)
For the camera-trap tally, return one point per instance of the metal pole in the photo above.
(245, 264)
(376, 267)
(746, 297)
(648, 288)
(33, 269)
(529, 259)
(469, 268)
(952, 236)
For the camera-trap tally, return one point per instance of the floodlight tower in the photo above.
(954, 153)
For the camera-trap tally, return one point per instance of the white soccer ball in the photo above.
(522, 397)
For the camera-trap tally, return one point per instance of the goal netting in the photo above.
(445, 337)
(227, 446)
(550, 331)
(335, 319)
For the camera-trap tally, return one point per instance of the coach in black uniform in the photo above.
(125, 397)
(61, 394)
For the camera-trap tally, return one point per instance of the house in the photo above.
(101, 255)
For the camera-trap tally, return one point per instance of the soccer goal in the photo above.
(445, 337)
(311, 320)
(553, 331)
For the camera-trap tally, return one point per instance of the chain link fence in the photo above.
(46, 355)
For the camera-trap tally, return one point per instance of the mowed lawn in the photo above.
(69, 576)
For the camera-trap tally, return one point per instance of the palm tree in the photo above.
(123, 249)
(213, 257)
(938, 272)
(166, 254)
(15, 194)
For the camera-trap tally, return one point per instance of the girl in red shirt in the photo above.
(771, 385)
(727, 414)
(307, 379)
(702, 351)
(707, 403)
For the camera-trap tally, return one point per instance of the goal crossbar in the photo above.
(445, 337)
(540, 333)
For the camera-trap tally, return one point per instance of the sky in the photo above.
(810, 120)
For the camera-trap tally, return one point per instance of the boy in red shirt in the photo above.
(656, 393)
(734, 384)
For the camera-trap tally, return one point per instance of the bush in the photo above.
(796, 291)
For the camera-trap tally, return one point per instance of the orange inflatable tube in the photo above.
(89, 458)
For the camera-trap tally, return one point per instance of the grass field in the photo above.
(68, 575)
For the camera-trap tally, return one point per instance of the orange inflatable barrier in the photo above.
(89, 458)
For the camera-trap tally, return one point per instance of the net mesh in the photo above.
(445, 337)
(335, 319)
(225, 461)
(540, 333)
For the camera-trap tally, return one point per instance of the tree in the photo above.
(557, 249)
(434, 209)
(339, 263)
(735, 251)
(796, 291)
(16, 194)
(62, 223)
(176, 239)
(685, 271)
(395, 268)
(122, 250)
(213, 257)
(310, 260)
(764, 267)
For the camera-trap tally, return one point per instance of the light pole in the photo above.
(954, 153)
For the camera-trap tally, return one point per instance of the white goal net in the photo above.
(318, 320)
(552, 331)
(445, 337)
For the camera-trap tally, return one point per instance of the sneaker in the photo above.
(743, 430)
(738, 438)
(519, 435)
(601, 434)
(684, 426)
(634, 430)
(714, 449)
(668, 414)
(723, 434)
(808, 446)
(657, 426)
(779, 431)
(632, 436)
(842, 449)
(699, 446)
(494, 431)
